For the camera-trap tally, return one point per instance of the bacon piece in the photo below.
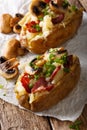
(25, 82)
(55, 72)
(39, 83)
(58, 19)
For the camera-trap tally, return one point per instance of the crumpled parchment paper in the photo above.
(71, 107)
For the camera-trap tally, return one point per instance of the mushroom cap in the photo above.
(9, 76)
(5, 23)
(13, 49)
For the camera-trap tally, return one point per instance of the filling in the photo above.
(44, 71)
(44, 16)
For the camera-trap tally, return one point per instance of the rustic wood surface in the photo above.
(14, 118)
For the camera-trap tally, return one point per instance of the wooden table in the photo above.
(14, 118)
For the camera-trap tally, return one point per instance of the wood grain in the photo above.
(64, 125)
(14, 118)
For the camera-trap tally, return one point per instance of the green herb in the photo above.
(30, 85)
(4, 94)
(1, 86)
(76, 125)
(36, 77)
(33, 65)
(40, 18)
(62, 59)
(53, 50)
(45, 11)
(38, 28)
(74, 8)
(66, 70)
(38, 57)
(48, 68)
(65, 4)
(51, 56)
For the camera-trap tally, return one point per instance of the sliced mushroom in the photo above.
(17, 28)
(2, 59)
(37, 6)
(16, 19)
(57, 6)
(13, 49)
(5, 23)
(9, 24)
(14, 23)
(8, 68)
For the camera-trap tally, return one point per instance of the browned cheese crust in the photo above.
(57, 37)
(59, 92)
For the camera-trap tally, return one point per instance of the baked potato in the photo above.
(47, 79)
(48, 25)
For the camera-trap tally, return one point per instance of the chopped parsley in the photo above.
(4, 94)
(45, 11)
(74, 8)
(53, 50)
(30, 85)
(37, 27)
(62, 59)
(51, 56)
(76, 125)
(65, 4)
(48, 68)
(36, 77)
(1, 86)
(40, 18)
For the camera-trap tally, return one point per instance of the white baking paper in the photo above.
(71, 107)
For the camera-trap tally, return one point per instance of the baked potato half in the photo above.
(47, 80)
(48, 25)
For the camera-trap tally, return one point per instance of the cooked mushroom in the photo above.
(17, 28)
(8, 68)
(16, 19)
(37, 6)
(58, 6)
(14, 23)
(13, 49)
(5, 23)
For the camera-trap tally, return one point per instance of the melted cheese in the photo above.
(58, 76)
(20, 89)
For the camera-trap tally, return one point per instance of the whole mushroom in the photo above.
(13, 49)
(5, 23)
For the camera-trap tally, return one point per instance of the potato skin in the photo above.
(59, 92)
(58, 36)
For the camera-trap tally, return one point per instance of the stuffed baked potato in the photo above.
(47, 79)
(49, 24)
